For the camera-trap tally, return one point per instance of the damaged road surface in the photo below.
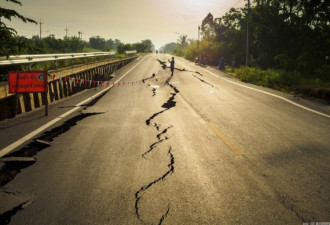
(192, 148)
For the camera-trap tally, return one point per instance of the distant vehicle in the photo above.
(197, 61)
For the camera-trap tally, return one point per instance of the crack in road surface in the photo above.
(173, 87)
(165, 215)
(12, 168)
(289, 205)
(5, 217)
(153, 146)
(157, 126)
(199, 73)
(286, 202)
(170, 103)
(146, 187)
(203, 81)
(164, 66)
(164, 132)
(162, 63)
(148, 78)
(167, 105)
(13, 202)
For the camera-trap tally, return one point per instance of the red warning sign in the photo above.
(27, 81)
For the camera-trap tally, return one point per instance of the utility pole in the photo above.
(40, 23)
(247, 35)
(80, 34)
(66, 32)
(199, 29)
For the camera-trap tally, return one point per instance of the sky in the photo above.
(127, 20)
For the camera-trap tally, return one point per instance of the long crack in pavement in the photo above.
(170, 103)
(203, 81)
(152, 146)
(163, 132)
(5, 217)
(167, 105)
(138, 194)
(12, 168)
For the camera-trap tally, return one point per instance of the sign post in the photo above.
(29, 82)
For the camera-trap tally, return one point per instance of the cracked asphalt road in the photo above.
(187, 149)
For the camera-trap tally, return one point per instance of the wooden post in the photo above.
(17, 103)
(46, 103)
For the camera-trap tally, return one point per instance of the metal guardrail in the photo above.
(131, 52)
(28, 59)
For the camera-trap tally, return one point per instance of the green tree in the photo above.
(148, 45)
(110, 44)
(168, 48)
(9, 43)
(124, 47)
(75, 44)
(208, 27)
(98, 43)
(117, 43)
(183, 41)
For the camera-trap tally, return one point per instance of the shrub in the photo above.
(268, 78)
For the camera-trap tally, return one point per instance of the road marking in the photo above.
(29, 136)
(270, 94)
(221, 135)
(226, 139)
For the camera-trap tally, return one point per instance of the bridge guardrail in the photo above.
(63, 86)
(28, 59)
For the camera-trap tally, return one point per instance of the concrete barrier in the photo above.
(15, 104)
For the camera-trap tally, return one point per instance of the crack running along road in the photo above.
(29, 136)
(170, 103)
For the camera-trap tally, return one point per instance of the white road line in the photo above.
(19, 142)
(270, 94)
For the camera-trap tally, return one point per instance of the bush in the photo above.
(268, 78)
(323, 74)
(249, 75)
(212, 50)
(191, 52)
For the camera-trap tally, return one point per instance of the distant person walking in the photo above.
(222, 63)
(172, 65)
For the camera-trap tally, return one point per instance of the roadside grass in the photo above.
(88, 49)
(285, 81)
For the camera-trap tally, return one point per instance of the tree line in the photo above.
(50, 44)
(100, 43)
(289, 35)
(75, 44)
(13, 44)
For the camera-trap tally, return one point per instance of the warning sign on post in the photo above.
(27, 81)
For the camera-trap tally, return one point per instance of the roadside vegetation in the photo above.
(289, 45)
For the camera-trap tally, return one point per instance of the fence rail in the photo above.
(59, 88)
(28, 59)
